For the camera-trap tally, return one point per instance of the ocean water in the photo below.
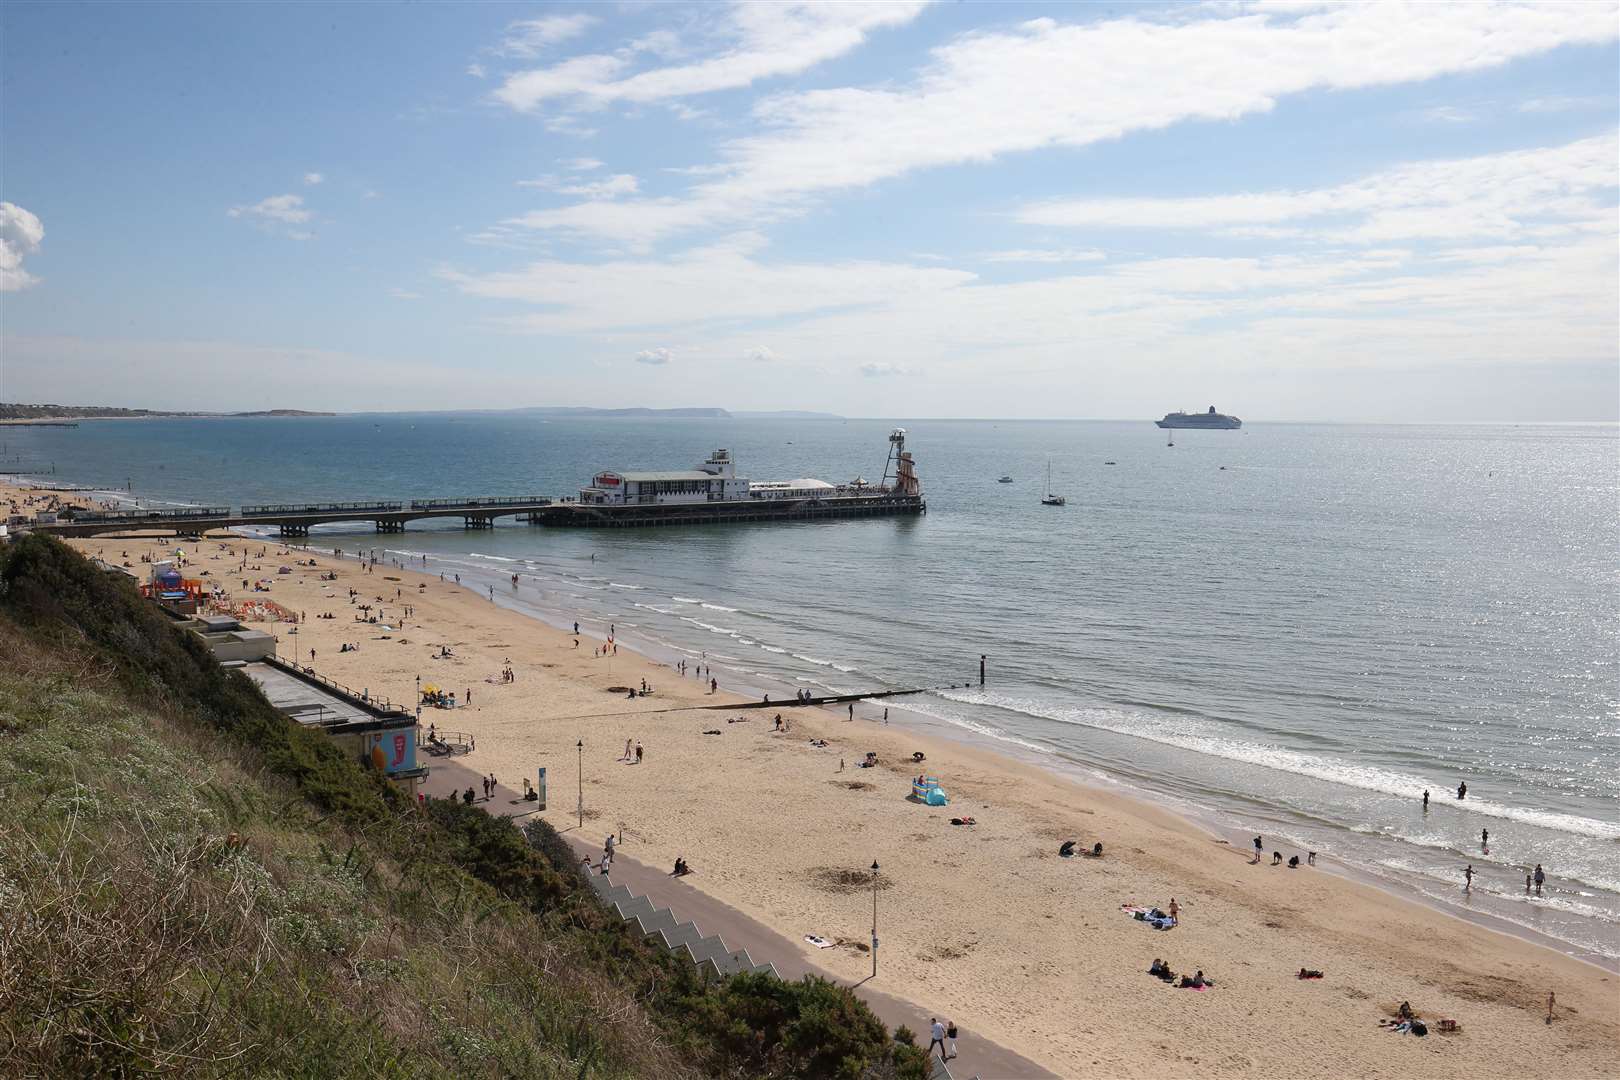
(1291, 629)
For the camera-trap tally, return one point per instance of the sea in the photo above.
(1292, 629)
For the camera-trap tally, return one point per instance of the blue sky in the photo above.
(1293, 210)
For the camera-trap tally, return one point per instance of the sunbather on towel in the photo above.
(1307, 973)
(1067, 849)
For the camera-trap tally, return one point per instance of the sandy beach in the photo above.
(1025, 947)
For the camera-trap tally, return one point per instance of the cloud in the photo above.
(1564, 104)
(284, 209)
(581, 164)
(1044, 84)
(477, 70)
(528, 38)
(1521, 193)
(1352, 305)
(313, 178)
(1035, 255)
(719, 284)
(609, 187)
(404, 294)
(770, 40)
(656, 357)
(761, 354)
(20, 235)
(885, 370)
(1448, 114)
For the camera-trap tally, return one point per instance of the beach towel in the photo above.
(818, 941)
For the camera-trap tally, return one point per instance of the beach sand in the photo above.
(1021, 946)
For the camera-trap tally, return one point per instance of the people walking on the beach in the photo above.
(714, 685)
(1527, 884)
(638, 753)
(936, 1033)
(576, 627)
(1259, 848)
(1468, 878)
(607, 853)
(1551, 1001)
(1462, 790)
(1541, 878)
(950, 1038)
(852, 710)
(1485, 840)
(626, 755)
(1425, 800)
(1175, 911)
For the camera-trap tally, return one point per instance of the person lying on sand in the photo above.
(1161, 970)
(1095, 852)
(1066, 850)
(1307, 973)
(963, 821)
(918, 756)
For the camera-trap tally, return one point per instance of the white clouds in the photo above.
(285, 209)
(761, 354)
(528, 38)
(771, 39)
(609, 187)
(313, 178)
(1448, 114)
(885, 370)
(20, 235)
(1045, 255)
(1522, 193)
(1044, 85)
(656, 357)
(1564, 104)
(581, 164)
(715, 286)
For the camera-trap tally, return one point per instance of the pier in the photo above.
(296, 519)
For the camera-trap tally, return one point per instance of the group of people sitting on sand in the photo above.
(681, 869)
(1067, 850)
(1161, 971)
(1405, 1022)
